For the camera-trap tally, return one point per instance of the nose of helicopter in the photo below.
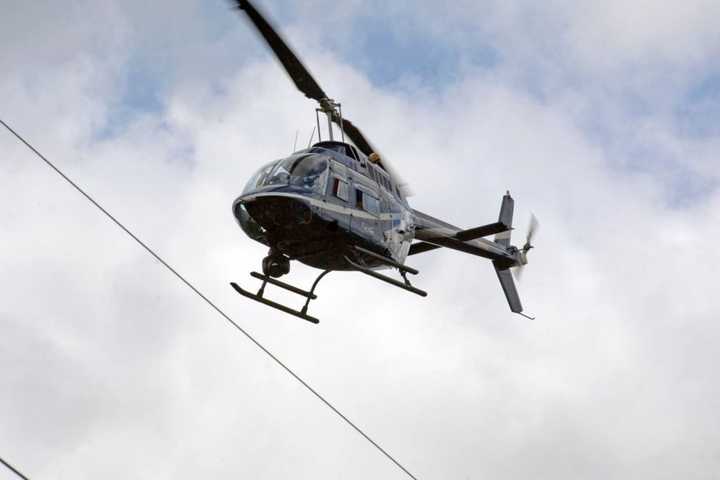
(272, 211)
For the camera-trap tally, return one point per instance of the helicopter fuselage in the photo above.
(317, 203)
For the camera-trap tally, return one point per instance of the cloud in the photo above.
(114, 370)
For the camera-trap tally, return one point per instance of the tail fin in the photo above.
(506, 218)
(511, 293)
(502, 269)
(508, 286)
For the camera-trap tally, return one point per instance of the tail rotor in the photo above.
(522, 253)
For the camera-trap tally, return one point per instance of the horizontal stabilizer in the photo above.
(422, 247)
(456, 237)
(483, 231)
(487, 249)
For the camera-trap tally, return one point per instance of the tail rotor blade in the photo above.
(532, 229)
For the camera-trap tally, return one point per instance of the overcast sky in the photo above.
(601, 117)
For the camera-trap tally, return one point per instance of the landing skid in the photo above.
(310, 295)
(258, 297)
(404, 270)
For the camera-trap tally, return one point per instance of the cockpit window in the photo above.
(257, 180)
(306, 171)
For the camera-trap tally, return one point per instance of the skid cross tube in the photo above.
(284, 285)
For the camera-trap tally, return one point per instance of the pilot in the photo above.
(374, 157)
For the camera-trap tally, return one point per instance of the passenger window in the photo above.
(340, 189)
(367, 201)
(371, 204)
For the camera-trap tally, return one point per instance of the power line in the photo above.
(13, 469)
(208, 301)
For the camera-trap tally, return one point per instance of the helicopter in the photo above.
(340, 206)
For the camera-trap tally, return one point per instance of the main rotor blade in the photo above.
(354, 134)
(364, 145)
(305, 82)
(357, 137)
(299, 74)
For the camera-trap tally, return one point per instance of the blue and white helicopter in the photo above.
(338, 206)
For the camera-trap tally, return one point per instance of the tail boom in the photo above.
(434, 233)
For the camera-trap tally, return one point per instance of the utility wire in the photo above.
(13, 469)
(209, 302)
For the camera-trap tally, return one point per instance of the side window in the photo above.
(371, 204)
(367, 201)
(340, 189)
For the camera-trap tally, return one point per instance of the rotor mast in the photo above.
(332, 111)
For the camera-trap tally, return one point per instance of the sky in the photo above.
(601, 118)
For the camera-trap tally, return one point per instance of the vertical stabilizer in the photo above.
(508, 285)
(506, 217)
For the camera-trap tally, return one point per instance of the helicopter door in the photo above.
(386, 223)
(365, 219)
(339, 194)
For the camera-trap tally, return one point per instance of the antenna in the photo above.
(297, 132)
(342, 127)
(317, 120)
(312, 135)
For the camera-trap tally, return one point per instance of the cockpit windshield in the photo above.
(306, 171)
